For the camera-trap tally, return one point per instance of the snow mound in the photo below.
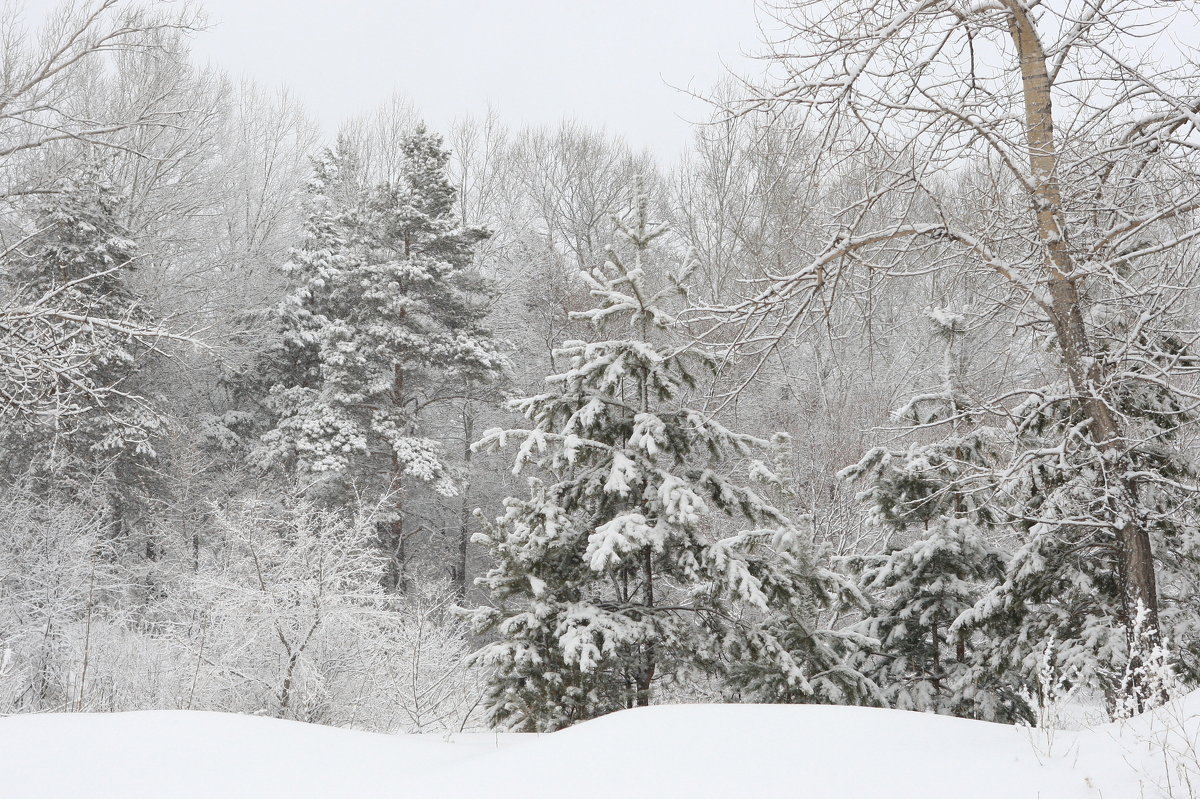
(194, 755)
(774, 750)
(692, 751)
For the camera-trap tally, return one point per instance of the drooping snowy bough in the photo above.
(622, 568)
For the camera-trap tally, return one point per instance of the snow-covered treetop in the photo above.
(386, 316)
(623, 288)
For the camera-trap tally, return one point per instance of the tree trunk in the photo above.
(464, 510)
(285, 691)
(116, 515)
(645, 675)
(936, 676)
(1136, 560)
(396, 578)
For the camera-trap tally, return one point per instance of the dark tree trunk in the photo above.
(393, 537)
(937, 657)
(645, 674)
(461, 579)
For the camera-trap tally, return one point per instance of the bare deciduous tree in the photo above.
(1087, 122)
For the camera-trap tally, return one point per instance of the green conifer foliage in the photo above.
(937, 500)
(1069, 497)
(616, 572)
(92, 421)
(383, 321)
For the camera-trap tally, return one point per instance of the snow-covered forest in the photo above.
(883, 394)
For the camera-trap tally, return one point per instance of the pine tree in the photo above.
(610, 575)
(938, 496)
(97, 424)
(381, 324)
(1070, 501)
(1058, 604)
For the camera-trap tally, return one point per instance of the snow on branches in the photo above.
(616, 573)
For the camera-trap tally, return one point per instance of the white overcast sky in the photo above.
(609, 62)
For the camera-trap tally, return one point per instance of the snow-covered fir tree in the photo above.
(383, 322)
(936, 503)
(96, 422)
(622, 568)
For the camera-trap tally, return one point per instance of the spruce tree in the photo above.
(614, 573)
(382, 323)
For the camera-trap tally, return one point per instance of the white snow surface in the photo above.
(692, 751)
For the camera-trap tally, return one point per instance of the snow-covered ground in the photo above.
(691, 751)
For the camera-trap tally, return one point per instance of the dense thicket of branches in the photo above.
(936, 268)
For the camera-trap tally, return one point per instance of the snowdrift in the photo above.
(692, 751)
